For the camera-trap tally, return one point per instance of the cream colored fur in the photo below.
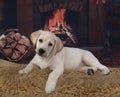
(58, 58)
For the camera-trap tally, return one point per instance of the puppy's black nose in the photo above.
(41, 51)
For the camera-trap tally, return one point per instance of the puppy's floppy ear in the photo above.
(34, 36)
(58, 45)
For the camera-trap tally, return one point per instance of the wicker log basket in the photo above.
(14, 46)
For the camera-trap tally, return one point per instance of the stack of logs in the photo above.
(14, 46)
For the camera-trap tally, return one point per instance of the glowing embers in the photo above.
(58, 25)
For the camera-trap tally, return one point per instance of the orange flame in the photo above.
(57, 20)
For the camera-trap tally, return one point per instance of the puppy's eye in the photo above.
(40, 40)
(50, 44)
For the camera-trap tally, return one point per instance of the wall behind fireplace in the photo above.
(9, 14)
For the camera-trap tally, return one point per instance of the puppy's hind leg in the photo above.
(88, 67)
(90, 60)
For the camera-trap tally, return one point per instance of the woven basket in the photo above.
(14, 46)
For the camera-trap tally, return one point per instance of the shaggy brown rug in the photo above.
(73, 83)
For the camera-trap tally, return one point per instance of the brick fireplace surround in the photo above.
(27, 22)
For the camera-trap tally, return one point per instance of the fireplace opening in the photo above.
(68, 19)
(64, 23)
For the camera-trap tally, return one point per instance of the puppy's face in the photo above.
(46, 43)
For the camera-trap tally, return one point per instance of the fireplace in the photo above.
(63, 18)
(76, 16)
(63, 23)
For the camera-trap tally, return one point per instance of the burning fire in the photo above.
(58, 25)
(57, 20)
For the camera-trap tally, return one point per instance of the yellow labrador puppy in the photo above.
(51, 53)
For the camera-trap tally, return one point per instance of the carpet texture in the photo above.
(73, 83)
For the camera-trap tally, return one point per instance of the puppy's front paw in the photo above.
(50, 87)
(23, 71)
